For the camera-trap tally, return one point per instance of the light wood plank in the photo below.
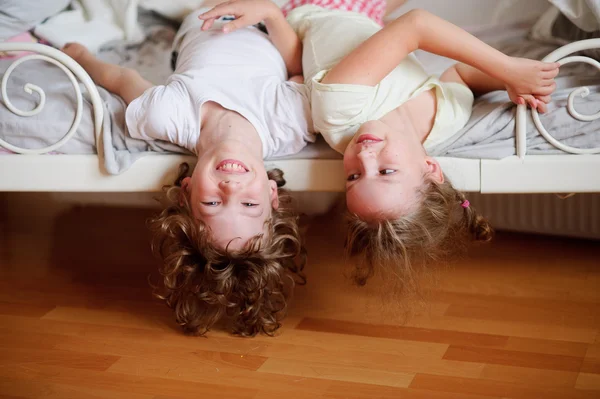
(330, 371)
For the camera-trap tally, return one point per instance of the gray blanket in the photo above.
(489, 133)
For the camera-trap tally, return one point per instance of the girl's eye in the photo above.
(249, 204)
(387, 171)
(210, 203)
(353, 177)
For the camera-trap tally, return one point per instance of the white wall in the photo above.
(473, 14)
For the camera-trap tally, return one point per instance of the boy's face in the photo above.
(230, 192)
(384, 170)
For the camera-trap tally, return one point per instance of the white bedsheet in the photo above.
(583, 13)
(93, 23)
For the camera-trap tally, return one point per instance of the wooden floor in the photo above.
(518, 319)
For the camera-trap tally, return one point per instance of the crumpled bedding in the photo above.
(47, 127)
(92, 23)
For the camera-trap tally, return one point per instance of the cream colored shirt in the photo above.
(338, 110)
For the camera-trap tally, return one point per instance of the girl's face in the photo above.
(384, 170)
(230, 192)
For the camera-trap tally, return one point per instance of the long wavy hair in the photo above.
(203, 284)
(436, 231)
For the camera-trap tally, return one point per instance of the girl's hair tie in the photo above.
(465, 204)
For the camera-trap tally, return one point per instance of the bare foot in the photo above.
(531, 82)
(75, 51)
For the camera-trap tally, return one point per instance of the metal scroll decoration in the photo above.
(559, 55)
(73, 71)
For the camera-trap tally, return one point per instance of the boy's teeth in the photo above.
(232, 166)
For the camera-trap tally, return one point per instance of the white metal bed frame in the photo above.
(33, 171)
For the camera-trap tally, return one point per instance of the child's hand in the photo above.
(531, 82)
(246, 12)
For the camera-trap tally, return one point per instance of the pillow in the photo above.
(555, 28)
(18, 16)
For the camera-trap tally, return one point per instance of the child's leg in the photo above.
(124, 82)
(418, 29)
(481, 83)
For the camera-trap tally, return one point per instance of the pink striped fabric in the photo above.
(374, 9)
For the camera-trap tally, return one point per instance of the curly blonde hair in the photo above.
(437, 230)
(203, 284)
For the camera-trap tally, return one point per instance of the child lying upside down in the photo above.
(227, 243)
(372, 101)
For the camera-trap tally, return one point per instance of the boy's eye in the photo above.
(211, 203)
(387, 171)
(353, 177)
(249, 204)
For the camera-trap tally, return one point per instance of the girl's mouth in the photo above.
(368, 138)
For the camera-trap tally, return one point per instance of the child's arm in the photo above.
(286, 41)
(250, 12)
(419, 29)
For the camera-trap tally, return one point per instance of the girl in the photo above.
(226, 240)
(373, 102)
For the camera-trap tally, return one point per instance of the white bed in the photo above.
(523, 173)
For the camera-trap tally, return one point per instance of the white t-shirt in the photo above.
(242, 71)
